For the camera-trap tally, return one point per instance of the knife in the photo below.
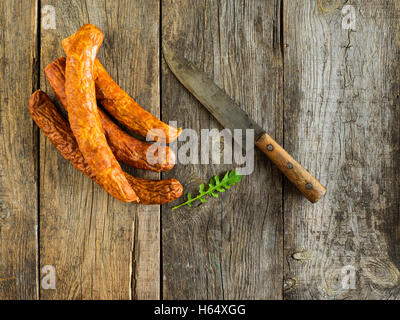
(231, 116)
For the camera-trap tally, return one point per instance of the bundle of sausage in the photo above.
(91, 140)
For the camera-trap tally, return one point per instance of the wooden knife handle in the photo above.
(300, 177)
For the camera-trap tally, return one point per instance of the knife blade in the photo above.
(230, 115)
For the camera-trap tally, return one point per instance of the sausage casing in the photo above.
(126, 110)
(126, 148)
(57, 129)
(83, 114)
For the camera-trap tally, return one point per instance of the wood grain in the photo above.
(230, 247)
(328, 95)
(18, 152)
(342, 121)
(101, 248)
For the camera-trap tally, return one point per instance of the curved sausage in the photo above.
(57, 129)
(126, 110)
(127, 149)
(83, 116)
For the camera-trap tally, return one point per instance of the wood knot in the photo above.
(289, 284)
(381, 272)
(302, 255)
(332, 286)
(329, 7)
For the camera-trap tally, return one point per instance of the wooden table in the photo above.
(323, 79)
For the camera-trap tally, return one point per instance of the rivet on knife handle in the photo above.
(300, 177)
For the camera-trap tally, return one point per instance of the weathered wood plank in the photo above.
(101, 248)
(342, 122)
(229, 247)
(18, 152)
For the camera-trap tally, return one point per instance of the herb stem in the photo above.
(197, 198)
(214, 186)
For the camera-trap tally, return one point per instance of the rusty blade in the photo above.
(217, 102)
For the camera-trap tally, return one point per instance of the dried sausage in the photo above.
(57, 129)
(83, 114)
(127, 149)
(126, 110)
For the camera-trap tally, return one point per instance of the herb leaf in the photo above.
(214, 186)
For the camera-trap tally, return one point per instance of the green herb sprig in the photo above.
(214, 186)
